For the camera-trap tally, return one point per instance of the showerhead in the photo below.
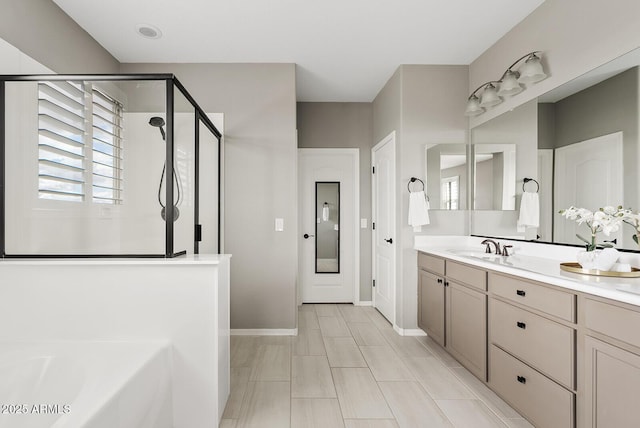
(158, 122)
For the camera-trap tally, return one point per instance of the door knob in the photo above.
(307, 236)
(390, 240)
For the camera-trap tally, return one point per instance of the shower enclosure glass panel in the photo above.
(184, 168)
(209, 170)
(86, 162)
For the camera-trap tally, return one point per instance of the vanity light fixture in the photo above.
(531, 71)
(488, 98)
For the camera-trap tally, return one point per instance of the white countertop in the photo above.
(193, 259)
(541, 269)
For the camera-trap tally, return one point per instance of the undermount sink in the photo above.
(477, 254)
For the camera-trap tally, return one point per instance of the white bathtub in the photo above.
(85, 384)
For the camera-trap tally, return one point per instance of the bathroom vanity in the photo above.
(561, 348)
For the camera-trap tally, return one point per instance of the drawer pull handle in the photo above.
(520, 293)
(439, 281)
(522, 379)
(521, 325)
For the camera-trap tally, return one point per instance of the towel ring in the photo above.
(526, 180)
(413, 180)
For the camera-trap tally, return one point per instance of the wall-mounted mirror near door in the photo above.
(584, 151)
(327, 227)
(447, 178)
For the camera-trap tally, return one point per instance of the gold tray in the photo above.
(576, 268)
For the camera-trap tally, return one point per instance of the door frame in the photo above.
(355, 153)
(391, 138)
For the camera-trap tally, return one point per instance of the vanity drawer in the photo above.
(542, 401)
(615, 321)
(467, 275)
(554, 302)
(431, 263)
(530, 337)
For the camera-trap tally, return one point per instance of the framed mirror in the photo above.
(447, 176)
(582, 146)
(327, 253)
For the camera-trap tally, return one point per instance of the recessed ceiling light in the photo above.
(148, 31)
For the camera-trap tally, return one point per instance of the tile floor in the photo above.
(348, 368)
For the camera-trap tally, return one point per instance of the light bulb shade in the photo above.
(473, 106)
(490, 96)
(509, 84)
(531, 71)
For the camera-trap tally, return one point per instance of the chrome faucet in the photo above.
(488, 247)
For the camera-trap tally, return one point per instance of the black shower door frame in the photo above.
(171, 83)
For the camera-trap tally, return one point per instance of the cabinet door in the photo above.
(431, 305)
(612, 385)
(467, 327)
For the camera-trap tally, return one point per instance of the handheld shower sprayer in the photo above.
(158, 122)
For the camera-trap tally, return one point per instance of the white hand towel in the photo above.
(529, 210)
(325, 213)
(418, 210)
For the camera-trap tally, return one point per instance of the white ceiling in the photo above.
(345, 50)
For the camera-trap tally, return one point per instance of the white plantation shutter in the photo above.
(65, 133)
(61, 145)
(107, 149)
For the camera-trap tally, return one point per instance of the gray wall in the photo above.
(43, 31)
(345, 125)
(424, 104)
(259, 106)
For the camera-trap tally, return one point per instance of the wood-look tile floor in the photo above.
(348, 368)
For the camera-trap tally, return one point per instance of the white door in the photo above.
(588, 174)
(328, 198)
(383, 159)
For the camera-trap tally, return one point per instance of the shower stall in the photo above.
(107, 166)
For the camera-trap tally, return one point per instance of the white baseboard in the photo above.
(363, 303)
(264, 332)
(409, 331)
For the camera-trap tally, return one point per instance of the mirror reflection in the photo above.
(327, 227)
(586, 152)
(495, 176)
(447, 176)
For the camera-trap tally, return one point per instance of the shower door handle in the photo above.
(307, 236)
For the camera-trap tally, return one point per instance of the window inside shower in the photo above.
(107, 166)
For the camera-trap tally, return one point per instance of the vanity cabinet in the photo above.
(431, 302)
(532, 341)
(452, 309)
(466, 314)
(611, 364)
